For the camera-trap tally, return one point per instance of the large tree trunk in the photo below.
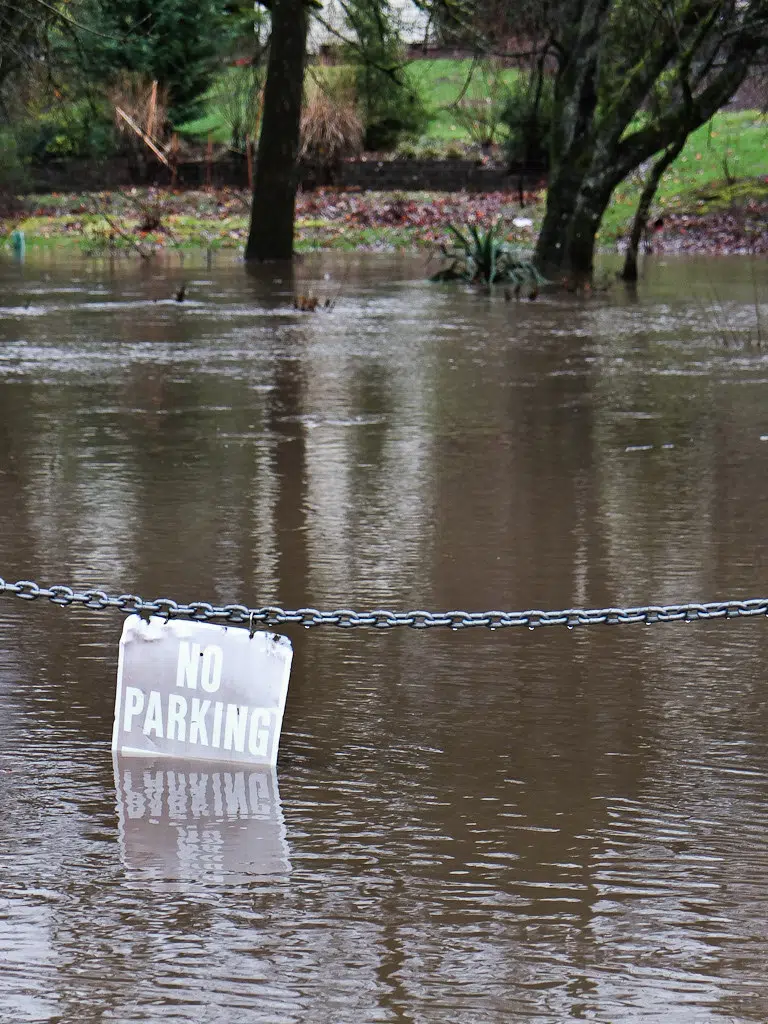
(276, 181)
(580, 244)
(705, 50)
(562, 193)
(577, 198)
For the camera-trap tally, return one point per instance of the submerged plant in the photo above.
(486, 257)
(734, 334)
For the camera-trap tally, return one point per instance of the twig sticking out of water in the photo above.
(330, 303)
(758, 314)
(309, 303)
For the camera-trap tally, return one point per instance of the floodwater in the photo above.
(472, 826)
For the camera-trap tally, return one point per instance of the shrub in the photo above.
(430, 149)
(237, 99)
(392, 111)
(331, 127)
(528, 119)
(145, 103)
(455, 151)
(67, 129)
(407, 150)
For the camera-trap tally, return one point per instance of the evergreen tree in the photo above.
(178, 43)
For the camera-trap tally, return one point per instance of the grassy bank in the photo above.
(723, 166)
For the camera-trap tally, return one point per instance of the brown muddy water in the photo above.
(466, 826)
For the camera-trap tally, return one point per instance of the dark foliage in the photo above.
(177, 43)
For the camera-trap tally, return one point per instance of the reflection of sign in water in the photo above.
(202, 822)
(201, 691)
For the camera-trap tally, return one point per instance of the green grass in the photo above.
(725, 162)
(442, 81)
(93, 233)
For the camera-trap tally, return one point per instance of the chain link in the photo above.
(379, 618)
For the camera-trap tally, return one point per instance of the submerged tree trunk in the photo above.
(576, 203)
(581, 236)
(639, 224)
(562, 194)
(276, 180)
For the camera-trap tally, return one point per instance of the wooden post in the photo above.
(152, 110)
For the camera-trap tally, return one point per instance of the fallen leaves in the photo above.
(737, 230)
(417, 210)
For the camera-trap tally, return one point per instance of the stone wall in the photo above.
(435, 176)
(367, 175)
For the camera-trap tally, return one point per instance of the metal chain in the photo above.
(346, 618)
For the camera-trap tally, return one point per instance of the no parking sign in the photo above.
(200, 691)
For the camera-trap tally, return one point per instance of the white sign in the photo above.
(182, 822)
(200, 691)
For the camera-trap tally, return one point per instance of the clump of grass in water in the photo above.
(744, 338)
(486, 257)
